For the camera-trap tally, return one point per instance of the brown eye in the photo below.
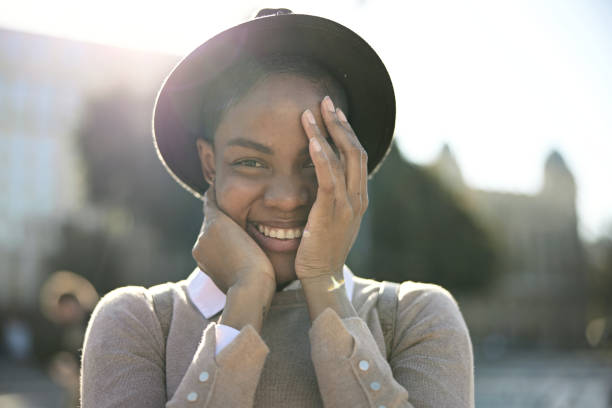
(249, 163)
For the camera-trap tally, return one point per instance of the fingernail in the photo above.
(329, 104)
(310, 117)
(341, 115)
(315, 144)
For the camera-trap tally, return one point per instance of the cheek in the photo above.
(235, 197)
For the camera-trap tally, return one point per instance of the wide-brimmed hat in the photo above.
(177, 115)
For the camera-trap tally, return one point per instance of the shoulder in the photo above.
(127, 309)
(418, 304)
(427, 297)
(133, 299)
(121, 311)
(410, 294)
(124, 320)
(430, 313)
(128, 299)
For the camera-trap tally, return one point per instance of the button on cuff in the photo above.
(364, 365)
(192, 397)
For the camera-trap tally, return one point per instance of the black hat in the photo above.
(177, 116)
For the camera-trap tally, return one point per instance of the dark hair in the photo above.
(235, 82)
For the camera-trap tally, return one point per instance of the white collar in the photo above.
(210, 300)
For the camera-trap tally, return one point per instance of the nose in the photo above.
(288, 193)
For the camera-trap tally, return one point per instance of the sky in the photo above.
(501, 82)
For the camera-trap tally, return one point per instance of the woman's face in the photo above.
(263, 176)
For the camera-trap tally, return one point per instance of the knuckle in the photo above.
(356, 151)
(196, 251)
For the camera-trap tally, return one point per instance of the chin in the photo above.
(284, 267)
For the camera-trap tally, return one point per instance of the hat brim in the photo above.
(370, 96)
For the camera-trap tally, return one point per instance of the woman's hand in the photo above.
(236, 264)
(342, 198)
(226, 252)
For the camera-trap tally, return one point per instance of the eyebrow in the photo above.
(258, 146)
(251, 145)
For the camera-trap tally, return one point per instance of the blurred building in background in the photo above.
(44, 86)
(541, 293)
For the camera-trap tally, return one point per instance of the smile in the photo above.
(275, 239)
(279, 233)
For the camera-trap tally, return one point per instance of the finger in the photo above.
(348, 144)
(344, 121)
(323, 209)
(364, 161)
(328, 168)
(363, 188)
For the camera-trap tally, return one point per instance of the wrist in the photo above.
(256, 282)
(327, 282)
(327, 291)
(247, 303)
(310, 275)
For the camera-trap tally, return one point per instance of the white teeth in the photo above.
(280, 233)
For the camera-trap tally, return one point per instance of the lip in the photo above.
(274, 244)
(281, 224)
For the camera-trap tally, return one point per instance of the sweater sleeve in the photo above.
(123, 360)
(431, 363)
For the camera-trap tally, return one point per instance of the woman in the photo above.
(254, 121)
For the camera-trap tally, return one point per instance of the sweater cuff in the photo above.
(247, 350)
(331, 337)
(346, 356)
(231, 377)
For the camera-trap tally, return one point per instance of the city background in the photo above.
(85, 207)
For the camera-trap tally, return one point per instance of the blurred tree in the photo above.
(416, 230)
(123, 169)
(144, 224)
(93, 253)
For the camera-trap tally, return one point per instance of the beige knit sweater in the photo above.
(332, 362)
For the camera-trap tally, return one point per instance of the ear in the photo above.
(207, 160)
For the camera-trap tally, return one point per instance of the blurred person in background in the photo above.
(66, 300)
(276, 125)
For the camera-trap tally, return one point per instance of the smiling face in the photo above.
(263, 175)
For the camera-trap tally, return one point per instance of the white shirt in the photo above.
(210, 300)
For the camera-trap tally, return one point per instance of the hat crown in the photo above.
(268, 12)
